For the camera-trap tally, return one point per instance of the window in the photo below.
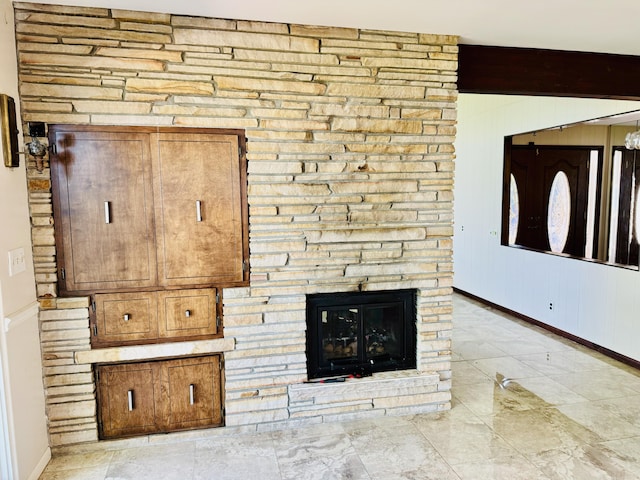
(574, 191)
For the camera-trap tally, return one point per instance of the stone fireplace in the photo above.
(350, 175)
(359, 333)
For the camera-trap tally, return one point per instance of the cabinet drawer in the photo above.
(150, 317)
(187, 313)
(125, 317)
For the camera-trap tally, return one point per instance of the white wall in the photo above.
(20, 360)
(596, 302)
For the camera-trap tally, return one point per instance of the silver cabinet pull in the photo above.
(192, 394)
(187, 313)
(198, 211)
(126, 317)
(107, 212)
(130, 399)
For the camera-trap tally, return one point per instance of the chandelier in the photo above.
(632, 140)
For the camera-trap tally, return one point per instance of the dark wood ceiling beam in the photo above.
(529, 71)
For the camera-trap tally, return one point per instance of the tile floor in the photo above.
(526, 405)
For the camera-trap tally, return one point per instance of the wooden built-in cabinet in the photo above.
(151, 223)
(159, 396)
(140, 208)
(146, 317)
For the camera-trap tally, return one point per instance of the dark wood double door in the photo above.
(535, 169)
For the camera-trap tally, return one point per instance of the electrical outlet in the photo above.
(550, 306)
(16, 261)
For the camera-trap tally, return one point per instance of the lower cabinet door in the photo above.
(127, 399)
(193, 393)
(159, 396)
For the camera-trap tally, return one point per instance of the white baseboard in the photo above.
(41, 465)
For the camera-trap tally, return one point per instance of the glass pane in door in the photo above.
(384, 332)
(339, 331)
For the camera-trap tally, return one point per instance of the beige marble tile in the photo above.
(627, 450)
(405, 454)
(490, 398)
(473, 350)
(549, 391)
(582, 360)
(460, 436)
(595, 384)
(236, 458)
(320, 458)
(629, 379)
(585, 462)
(464, 372)
(522, 345)
(604, 423)
(508, 367)
(515, 467)
(80, 460)
(95, 472)
(533, 431)
(547, 363)
(150, 452)
(313, 430)
(627, 408)
(382, 426)
(169, 462)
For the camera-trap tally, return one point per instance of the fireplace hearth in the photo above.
(359, 333)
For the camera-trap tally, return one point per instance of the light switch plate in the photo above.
(16, 261)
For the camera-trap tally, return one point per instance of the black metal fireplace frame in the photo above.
(361, 366)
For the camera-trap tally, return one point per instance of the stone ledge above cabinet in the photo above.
(154, 351)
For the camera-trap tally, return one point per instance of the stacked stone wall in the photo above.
(350, 174)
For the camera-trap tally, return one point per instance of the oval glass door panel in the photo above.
(514, 210)
(637, 219)
(559, 212)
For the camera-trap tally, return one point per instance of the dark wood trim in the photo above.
(506, 191)
(561, 333)
(530, 71)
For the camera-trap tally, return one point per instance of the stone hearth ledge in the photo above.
(153, 351)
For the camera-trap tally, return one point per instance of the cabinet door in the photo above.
(187, 313)
(127, 399)
(193, 394)
(199, 209)
(104, 209)
(122, 318)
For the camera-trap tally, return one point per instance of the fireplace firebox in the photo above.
(359, 333)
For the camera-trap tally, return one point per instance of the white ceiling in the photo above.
(609, 26)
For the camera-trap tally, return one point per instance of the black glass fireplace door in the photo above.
(360, 333)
